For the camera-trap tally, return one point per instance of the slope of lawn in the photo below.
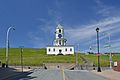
(35, 57)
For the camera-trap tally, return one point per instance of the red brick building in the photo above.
(117, 65)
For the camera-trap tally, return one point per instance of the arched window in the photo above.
(66, 49)
(60, 42)
(49, 49)
(60, 51)
(54, 49)
(71, 49)
(59, 30)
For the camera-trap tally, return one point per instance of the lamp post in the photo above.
(7, 44)
(99, 69)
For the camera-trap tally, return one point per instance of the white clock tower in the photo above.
(59, 46)
(59, 39)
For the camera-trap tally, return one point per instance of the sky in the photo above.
(35, 22)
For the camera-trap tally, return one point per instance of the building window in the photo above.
(59, 42)
(66, 49)
(71, 49)
(54, 49)
(59, 30)
(49, 50)
(60, 51)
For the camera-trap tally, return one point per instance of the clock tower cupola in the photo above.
(59, 36)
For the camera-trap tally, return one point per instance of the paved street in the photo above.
(62, 75)
(57, 74)
(82, 75)
(11, 74)
(7, 72)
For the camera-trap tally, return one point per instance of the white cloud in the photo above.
(83, 33)
(36, 40)
(47, 26)
(86, 35)
(56, 13)
(105, 10)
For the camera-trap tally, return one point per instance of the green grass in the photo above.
(35, 57)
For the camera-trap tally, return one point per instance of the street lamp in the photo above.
(99, 69)
(7, 44)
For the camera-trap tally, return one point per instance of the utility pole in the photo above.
(21, 57)
(110, 51)
(109, 47)
(77, 55)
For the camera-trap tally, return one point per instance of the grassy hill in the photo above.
(35, 57)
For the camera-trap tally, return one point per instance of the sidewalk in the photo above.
(110, 74)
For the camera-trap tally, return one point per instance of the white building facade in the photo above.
(59, 46)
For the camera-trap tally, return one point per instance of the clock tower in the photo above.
(59, 46)
(59, 36)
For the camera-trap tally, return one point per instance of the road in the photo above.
(62, 75)
(12, 74)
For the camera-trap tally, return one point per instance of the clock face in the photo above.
(59, 35)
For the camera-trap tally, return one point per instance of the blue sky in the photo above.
(35, 22)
